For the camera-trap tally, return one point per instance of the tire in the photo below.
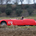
(3, 23)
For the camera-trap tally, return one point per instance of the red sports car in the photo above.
(18, 22)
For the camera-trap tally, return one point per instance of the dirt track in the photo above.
(18, 32)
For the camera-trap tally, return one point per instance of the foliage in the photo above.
(30, 10)
(18, 7)
(0, 11)
(18, 12)
(8, 6)
(27, 6)
(8, 11)
(35, 5)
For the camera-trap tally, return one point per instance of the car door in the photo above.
(18, 22)
(9, 22)
(27, 22)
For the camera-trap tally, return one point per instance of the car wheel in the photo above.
(3, 23)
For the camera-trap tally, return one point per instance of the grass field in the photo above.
(23, 27)
(29, 17)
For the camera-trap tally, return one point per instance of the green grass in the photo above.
(29, 17)
(27, 26)
(23, 27)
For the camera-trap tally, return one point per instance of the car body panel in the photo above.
(19, 22)
(29, 22)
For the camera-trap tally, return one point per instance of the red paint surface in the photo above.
(19, 22)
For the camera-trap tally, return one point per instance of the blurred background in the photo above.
(17, 8)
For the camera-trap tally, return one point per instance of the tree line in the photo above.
(18, 9)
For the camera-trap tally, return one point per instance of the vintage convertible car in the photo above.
(18, 22)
